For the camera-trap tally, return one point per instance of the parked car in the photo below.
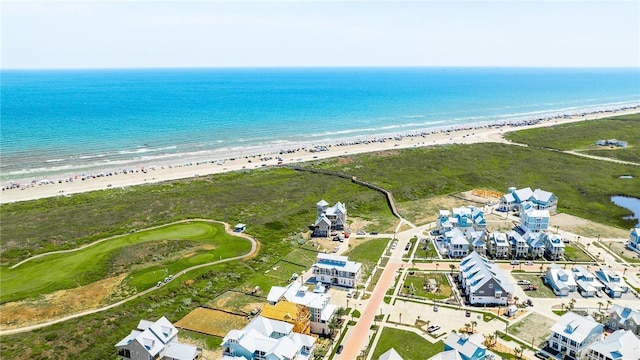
(524, 282)
(515, 262)
(529, 263)
(373, 233)
(432, 328)
(467, 313)
(339, 350)
(435, 308)
(529, 302)
(361, 232)
(350, 293)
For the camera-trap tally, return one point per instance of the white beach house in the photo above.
(587, 284)
(573, 333)
(541, 199)
(560, 280)
(622, 317)
(634, 240)
(620, 345)
(614, 284)
(499, 246)
(554, 246)
(337, 270)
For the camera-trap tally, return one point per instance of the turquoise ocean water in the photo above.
(75, 121)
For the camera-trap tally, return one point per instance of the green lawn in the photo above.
(409, 345)
(543, 290)
(419, 279)
(574, 253)
(68, 270)
(368, 253)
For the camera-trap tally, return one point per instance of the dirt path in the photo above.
(254, 249)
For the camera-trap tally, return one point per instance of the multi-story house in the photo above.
(329, 218)
(317, 301)
(560, 280)
(156, 340)
(621, 317)
(634, 240)
(483, 282)
(533, 219)
(499, 246)
(620, 345)
(467, 347)
(588, 285)
(464, 218)
(266, 339)
(519, 247)
(337, 270)
(613, 283)
(478, 241)
(456, 243)
(573, 333)
(542, 200)
(554, 246)
(535, 240)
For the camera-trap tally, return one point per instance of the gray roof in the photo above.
(477, 271)
(391, 354)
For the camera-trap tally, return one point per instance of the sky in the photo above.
(150, 34)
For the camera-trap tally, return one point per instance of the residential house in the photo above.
(540, 199)
(267, 339)
(612, 142)
(535, 241)
(479, 222)
(156, 340)
(560, 280)
(588, 285)
(544, 200)
(329, 218)
(456, 243)
(499, 246)
(391, 354)
(519, 247)
(478, 241)
(337, 270)
(294, 314)
(621, 345)
(464, 218)
(621, 317)
(468, 347)
(483, 282)
(442, 222)
(554, 246)
(613, 283)
(573, 333)
(634, 240)
(532, 218)
(316, 301)
(446, 355)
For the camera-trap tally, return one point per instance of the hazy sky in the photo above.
(92, 34)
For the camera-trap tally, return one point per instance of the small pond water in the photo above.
(630, 203)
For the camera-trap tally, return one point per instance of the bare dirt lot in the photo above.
(534, 326)
(236, 302)
(211, 322)
(58, 304)
(426, 210)
(586, 228)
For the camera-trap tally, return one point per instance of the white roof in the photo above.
(477, 270)
(576, 327)
(330, 261)
(299, 294)
(176, 350)
(444, 213)
(465, 345)
(391, 354)
(447, 355)
(508, 198)
(541, 195)
(533, 212)
(626, 313)
(159, 335)
(523, 194)
(620, 345)
(561, 278)
(322, 203)
(322, 219)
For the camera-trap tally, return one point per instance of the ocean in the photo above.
(56, 122)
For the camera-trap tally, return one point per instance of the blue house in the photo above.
(613, 283)
(468, 347)
(532, 218)
(634, 240)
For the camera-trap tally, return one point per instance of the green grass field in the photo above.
(47, 274)
(411, 347)
(419, 279)
(368, 253)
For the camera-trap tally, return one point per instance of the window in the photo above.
(490, 286)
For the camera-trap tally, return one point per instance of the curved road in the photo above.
(254, 249)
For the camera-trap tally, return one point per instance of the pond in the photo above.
(631, 203)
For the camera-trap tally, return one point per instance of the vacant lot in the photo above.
(409, 345)
(424, 211)
(543, 290)
(420, 283)
(211, 322)
(368, 253)
(574, 253)
(534, 327)
(619, 249)
(236, 302)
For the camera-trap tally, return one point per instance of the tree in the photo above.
(473, 326)
(600, 305)
(452, 267)
(491, 338)
(608, 304)
(518, 352)
(572, 304)
(333, 325)
(340, 312)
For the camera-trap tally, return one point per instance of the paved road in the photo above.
(254, 249)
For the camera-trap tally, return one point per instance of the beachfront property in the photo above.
(612, 142)
(464, 218)
(614, 285)
(540, 199)
(264, 339)
(532, 218)
(588, 285)
(535, 241)
(456, 244)
(620, 345)
(156, 340)
(621, 317)
(467, 347)
(573, 333)
(560, 280)
(329, 219)
(499, 246)
(634, 240)
(315, 301)
(554, 246)
(483, 282)
(337, 270)
(519, 247)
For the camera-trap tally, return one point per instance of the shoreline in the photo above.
(148, 174)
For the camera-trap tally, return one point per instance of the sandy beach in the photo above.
(35, 189)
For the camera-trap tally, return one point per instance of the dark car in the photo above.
(467, 314)
(339, 350)
(373, 233)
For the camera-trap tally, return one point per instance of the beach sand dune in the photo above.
(144, 175)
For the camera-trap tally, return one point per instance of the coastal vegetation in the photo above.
(412, 346)
(581, 136)
(278, 205)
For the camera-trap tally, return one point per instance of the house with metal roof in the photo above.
(541, 199)
(267, 339)
(621, 345)
(498, 245)
(468, 347)
(391, 354)
(634, 240)
(614, 284)
(478, 241)
(588, 285)
(554, 246)
(621, 317)
(316, 300)
(464, 218)
(337, 270)
(456, 243)
(560, 280)
(329, 218)
(533, 218)
(483, 282)
(573, 333)
(535, 241)
(519, 247)
(156, 340)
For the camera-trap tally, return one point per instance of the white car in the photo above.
(433, 328)
(524, 282)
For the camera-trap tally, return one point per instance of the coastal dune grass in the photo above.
(49, 273)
